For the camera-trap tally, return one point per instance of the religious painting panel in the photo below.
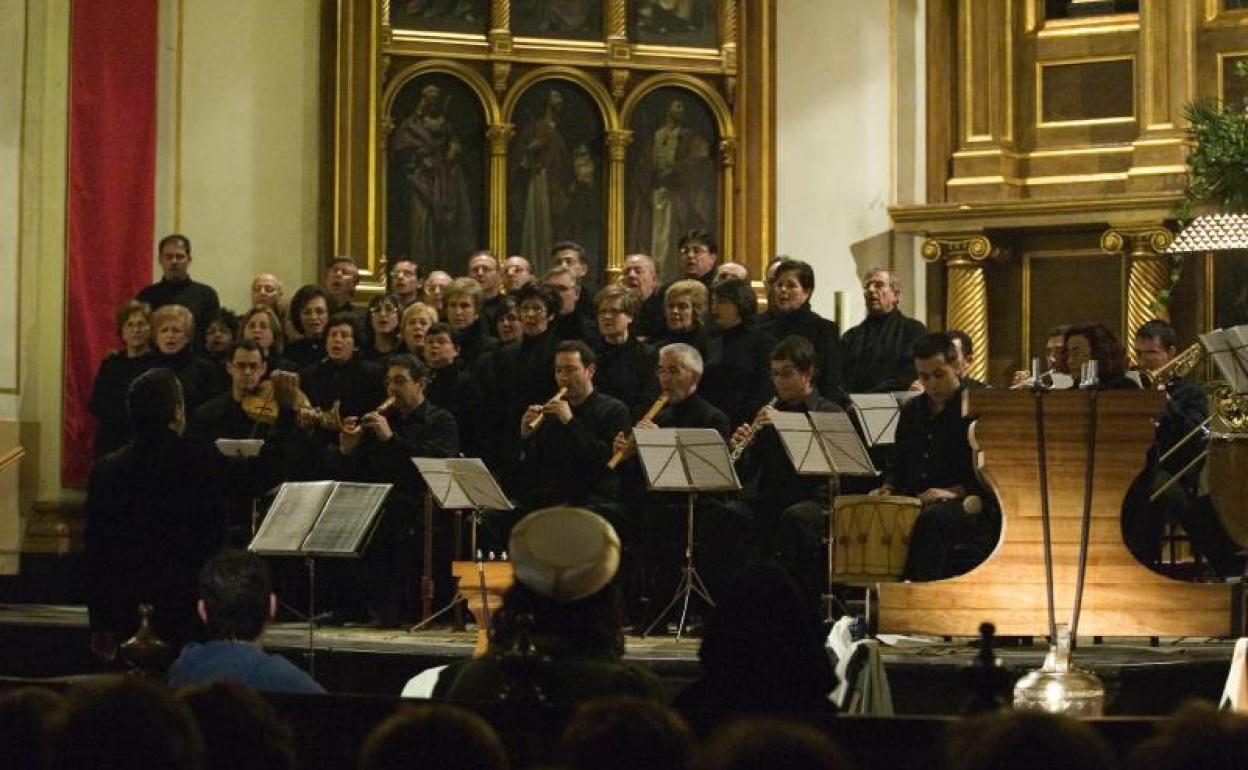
(568, 19)
(671, 179)
(686, 23)
(1230, 288)
(435, 170)
(555, 186)
(466, 16)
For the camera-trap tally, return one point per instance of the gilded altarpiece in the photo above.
(513, 125)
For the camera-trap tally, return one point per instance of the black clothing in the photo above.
(154, 516)
(305, 352)
(277, 362)
(428, 431)
(776, 485)
(223, 417)
(199, 298)
(697, 338)
(369, 352)
(457, 390)
(567, 463)
(474, 342)
(200, 379)
(652, 320)
(490, 308)
(358, 385)
(108, 399)
(627, 372)
(575, 326)
(823, 334)
(736, 374)
(520, 374)
(878, 353)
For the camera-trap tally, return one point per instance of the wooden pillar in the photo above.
(1148, 273)
(966, 289)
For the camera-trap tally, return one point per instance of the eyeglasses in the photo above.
(532, 310)
(380, 309)
(694, 249)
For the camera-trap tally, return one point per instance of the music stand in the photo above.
(824, 444)
(878, 414)
(329, 519)
(459, 483)
(689, 460)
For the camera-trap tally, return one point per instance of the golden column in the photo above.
(617, 148)
(966, 292)
(499, 136)
(500, 43)
(1148, 273)
(618, 52)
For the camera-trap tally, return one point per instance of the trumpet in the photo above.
(739, 449)
(1176, 368)
(537, 421)
(618, 457)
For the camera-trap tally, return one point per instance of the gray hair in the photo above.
(689, 356)
(893, 283)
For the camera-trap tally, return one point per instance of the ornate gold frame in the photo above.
(372, 62)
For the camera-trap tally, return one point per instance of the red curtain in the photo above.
(110, 206)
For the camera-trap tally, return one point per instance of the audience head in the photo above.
(309, 311)
(26, 717)
(792, 285)
(507, 322)
(539, 305)
(679, 370)
(517, 272)
(1155, 344)
(733, 303)
(134, 327)
(565, 283)
(266, 289)
(417, 318)
(698, 253)
(625, 733)
(117, 722)
(881, 290)
(241, 731)
(405, 280)
(435, 286)
(154, 402)
(1026, 740)
(440, 347)
(383, 316)
(483, 268)
(640, 275)
(732, 270)
(966, 350)
(235, 595)
(262, 326)
(1196, 736)
(341, 277)
(461, 303)
(617, 308)
(936, 361)
(175, 257)
(685, 305)
(434, 735)
(220, 332)
(571, 255)
(340, 335)
(1055, 349)
(793, 363)
(770, 744)
(1095, 342)
(174, 327)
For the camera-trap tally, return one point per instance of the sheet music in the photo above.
(844, 447)
(462, 482)
(290, 517)
(1219, 345)
(657, 450)
(877, 413)
(1238, 338)
(239, 447)
(686, 460)
(348, 516)
(804, 450)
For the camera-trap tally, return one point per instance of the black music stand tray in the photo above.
(458, 483)
(328, 519)
(689, 460)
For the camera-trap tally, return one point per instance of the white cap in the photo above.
(563, 553)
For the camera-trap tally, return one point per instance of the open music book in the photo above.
(320, 518)
(1229, 350)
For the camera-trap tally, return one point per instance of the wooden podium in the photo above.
(499, 576)
(1121, 596)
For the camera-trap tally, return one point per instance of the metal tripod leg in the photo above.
(690, 581)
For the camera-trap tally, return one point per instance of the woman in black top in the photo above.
(116, 372)
(737, 372)
(174, 327)
(262, 326)
(309, 312)
(684, 305)
(382, 336)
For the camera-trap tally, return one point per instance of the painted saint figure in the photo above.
(545, 176)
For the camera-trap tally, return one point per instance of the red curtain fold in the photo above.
(111, 198)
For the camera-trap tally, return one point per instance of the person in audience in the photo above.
(433, 735)
(176, 287)
(435, 285)
(957, 527)
(116, 372)
(1026, 740)
(517, 272)
(770, 744)
(341, 277)
(558, 638)
(342, 377)
(570, 323)
(737, 375)
(792, 285)
(383, 327)
(1095, 342)
(790, 509)
(417, 318)
(966, 359)
(462, 304)
(684, 304)
(876, 352)
(241, 730)
(220, 335)
(405, 281)
(455, 388)
(26, 718)
(699, 254)
(236, 602)
(625, 364)
(483, 268)
(309, 312)
(571, 255)
(264, 327)
(642, 278)
(732, 270)
(1196, 736)
(266, 289)
(174, 328)
(624, 733)
(507, 325)
(762, 649)
(124, 721)
(153, 511)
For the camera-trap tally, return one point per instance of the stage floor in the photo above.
(925, 674)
